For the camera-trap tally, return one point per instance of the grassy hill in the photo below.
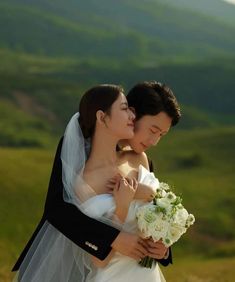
(51, 51)
(110, 29)
(19, 129)
(39, 94)
(218, 9)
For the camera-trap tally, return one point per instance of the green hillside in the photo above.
(51, 51)
(111, 29)
(19, 129)
(39, 94)
(219, 9)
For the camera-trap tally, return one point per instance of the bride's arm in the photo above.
(143, 192)
(123, 194)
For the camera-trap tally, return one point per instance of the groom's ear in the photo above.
(100, 117)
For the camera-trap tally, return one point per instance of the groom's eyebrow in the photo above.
(161, 130)
(157, 127)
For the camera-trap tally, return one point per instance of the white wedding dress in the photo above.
(120, 268)
(53, 257)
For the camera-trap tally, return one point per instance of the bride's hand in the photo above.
(145, 192)
(123, 193)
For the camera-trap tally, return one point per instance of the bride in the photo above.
(104, 120)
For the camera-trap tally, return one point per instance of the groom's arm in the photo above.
(84, 231)
(168, 259)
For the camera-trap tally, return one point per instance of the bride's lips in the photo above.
(131, 124)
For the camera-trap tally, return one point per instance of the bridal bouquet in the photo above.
(165, 218)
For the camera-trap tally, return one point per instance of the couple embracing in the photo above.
(88, 231)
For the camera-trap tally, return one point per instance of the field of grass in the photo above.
(21, 129)
(183, 270)
(199, 164)
(200, 270)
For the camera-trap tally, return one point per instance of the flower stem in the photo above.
(146, 262)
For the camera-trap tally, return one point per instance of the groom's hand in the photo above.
(130, 245)
(112, 183)
(157, 249)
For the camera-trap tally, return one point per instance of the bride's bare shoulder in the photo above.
(136, 159)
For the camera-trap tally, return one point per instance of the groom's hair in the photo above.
(151, 98)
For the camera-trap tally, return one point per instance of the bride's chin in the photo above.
(130, 135)
(137, 149)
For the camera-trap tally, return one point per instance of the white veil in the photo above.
(73, 157)
(52, 256)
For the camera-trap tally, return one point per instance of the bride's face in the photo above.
(149, 130)
(120, 122)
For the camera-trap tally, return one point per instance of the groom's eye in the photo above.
(153, 131)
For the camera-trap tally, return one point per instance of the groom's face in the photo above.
(149, 130)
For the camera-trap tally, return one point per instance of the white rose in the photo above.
(171, 196)
(164, 203)
(190, 220)
(145, 216)
(174, 233)
(158, 229)
(181, 217)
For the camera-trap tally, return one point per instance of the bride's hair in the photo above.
(100, 97)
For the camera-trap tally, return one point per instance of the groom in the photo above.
(156, 111)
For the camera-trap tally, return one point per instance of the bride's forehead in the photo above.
(121, 99)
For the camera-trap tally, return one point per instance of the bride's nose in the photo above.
(131, 115)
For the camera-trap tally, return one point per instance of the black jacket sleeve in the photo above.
(91, 235)
(168, 260)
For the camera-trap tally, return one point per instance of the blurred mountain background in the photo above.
(52, 51)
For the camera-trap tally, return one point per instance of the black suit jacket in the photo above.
(84, 231)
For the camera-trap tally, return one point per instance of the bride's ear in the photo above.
(100, 117)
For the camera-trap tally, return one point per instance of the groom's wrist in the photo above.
(166, 254)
